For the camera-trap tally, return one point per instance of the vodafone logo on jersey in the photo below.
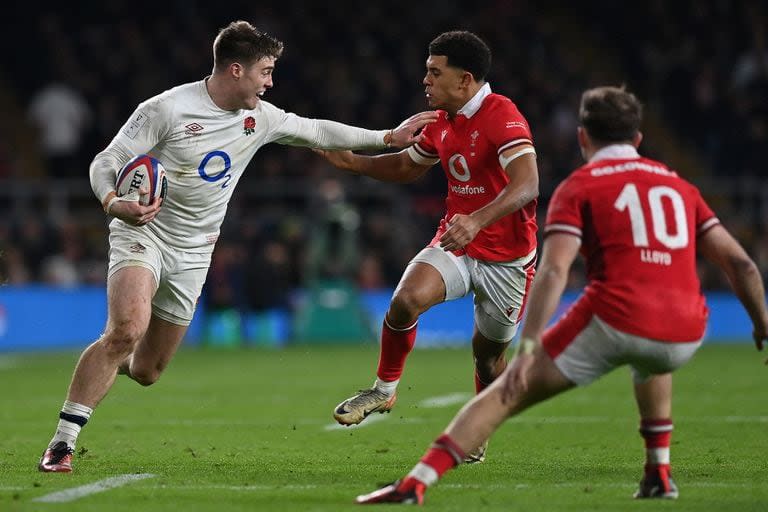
(458, 167)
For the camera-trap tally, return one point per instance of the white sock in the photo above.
(388, 388)
(72, 418)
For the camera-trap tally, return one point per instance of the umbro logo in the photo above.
(137, 248)
(515, 124)
(193, 129)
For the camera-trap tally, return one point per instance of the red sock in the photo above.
(443, 455)
(396, 344)
(657, 434)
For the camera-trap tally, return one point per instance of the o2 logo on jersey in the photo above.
(457, 166)
(220, 175)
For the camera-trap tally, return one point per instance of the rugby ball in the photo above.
(142, 173)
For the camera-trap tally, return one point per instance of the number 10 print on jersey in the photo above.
(675, 238)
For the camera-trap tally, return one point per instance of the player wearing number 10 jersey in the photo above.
(638, 226)
(636, 217)
(205, 133)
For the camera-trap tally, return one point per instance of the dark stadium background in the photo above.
(700, 67)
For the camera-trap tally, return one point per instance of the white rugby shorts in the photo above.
(179, 274)
(500, 289)
(585, 348)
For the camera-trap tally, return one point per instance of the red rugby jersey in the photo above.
(638, 223)
(468, 147)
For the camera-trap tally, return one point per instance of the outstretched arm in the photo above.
(392, 167)
(295, 130)
(722, 249)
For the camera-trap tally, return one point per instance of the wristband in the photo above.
(111, 203)
(388, 143)
(108, 201)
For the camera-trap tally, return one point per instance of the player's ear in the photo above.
(637, 139)
(466, 79)
(236, 70)
(581, 136)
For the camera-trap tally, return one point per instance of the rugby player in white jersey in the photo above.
(205, 134)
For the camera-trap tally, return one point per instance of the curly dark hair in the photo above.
(464, 50)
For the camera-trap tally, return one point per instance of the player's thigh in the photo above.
(129, 301)
(500, 294)
(135, 267)
(434, 276)
(545, 380)
(159, 344)
(173, 307)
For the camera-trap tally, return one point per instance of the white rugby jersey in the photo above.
(205, 150)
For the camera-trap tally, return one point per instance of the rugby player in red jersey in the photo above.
(485, 244)
(638, 225)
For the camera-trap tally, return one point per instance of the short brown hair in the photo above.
(242, 42)
(610, 114)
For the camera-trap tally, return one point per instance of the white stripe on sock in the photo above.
(424, 473)
(76, 409)
(386, 387)
(400, 329)
(657, 455)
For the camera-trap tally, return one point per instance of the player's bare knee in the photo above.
(144, 375)
(121, 338)
(406, 306)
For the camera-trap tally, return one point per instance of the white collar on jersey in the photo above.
(471, 107)
(615, 152)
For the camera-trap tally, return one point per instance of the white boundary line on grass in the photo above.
(445, 400)
(96, 487)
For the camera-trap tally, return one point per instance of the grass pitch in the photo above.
(252, 430)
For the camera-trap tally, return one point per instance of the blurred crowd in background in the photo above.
(75, 75)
